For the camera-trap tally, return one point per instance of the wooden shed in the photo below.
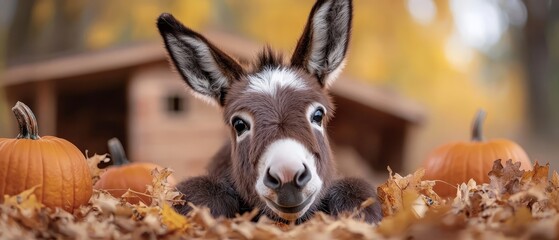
(132, 93)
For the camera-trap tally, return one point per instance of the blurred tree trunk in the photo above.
(18, 31)
(62, 32)
(537, 57)
(5, 19)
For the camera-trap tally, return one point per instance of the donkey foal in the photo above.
(279, 159)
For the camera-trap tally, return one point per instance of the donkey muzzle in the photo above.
(298, 179)
(290, 197)
(288, 180)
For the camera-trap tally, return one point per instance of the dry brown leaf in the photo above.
(104, 201)
(505, 179)
(161, 191)
(555, 180)
(93, 163)
(390, 193)
(537, 176)
(516, 204)
(397, 224)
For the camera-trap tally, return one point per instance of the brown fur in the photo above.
(276, 118)
(229, 187)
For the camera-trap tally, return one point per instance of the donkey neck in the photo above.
(220, 165)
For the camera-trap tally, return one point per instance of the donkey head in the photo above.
(277, 111)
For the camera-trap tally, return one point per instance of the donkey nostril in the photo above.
(302, 177)
(271, 180)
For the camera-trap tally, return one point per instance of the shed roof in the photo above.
(153, 52)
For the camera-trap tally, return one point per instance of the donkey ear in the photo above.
(322, 48)
(206, 69)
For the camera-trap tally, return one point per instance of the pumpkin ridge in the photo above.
(14, 174)
(67, 154)
(43, 173)
(52, 148)
(20, 174)
(75, 153)
(458, 162)
(495, 155)
(26, 174)
(431, 167)
(450, 154)
(523, 155)
(481, 151)
(45, 166)
(511, 154)
(73, 167)
(62, 152)
(10, 150)
(83, 171)
(2, 143)
(446, 155)
(505, 151)
(473, 154)
(444, 164)
(516, 157)
(466, 157)
(74, 179)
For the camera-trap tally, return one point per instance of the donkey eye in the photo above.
(240, 125)
(317, 116)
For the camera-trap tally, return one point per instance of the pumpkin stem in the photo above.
(117, 152)
(28, 128)
(477, 133)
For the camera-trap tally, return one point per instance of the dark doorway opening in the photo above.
(89, 118)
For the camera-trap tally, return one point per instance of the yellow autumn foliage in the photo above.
(172, 220)
(388, 49)
(25, 201)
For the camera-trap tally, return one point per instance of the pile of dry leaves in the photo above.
(516, 204)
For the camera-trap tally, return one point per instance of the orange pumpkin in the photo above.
(125, 175)
(458, 162)
(56, 165)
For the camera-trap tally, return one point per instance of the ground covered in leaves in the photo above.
(514, 205)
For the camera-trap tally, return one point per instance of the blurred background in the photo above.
(417, 72)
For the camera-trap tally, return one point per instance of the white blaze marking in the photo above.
(270, 80)
(295, 152)
(285, 163)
